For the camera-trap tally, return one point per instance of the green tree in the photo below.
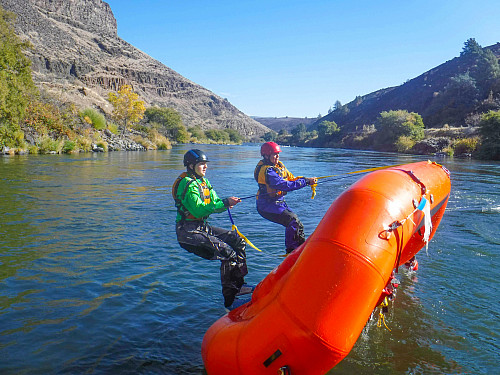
(169, 122)
(163, 115)
(489, 129)
(234, 136)
(471, 48)
(488, 69)
(270, 136)
(16, 85)
(127, 108)
(197, 132)
(460, 94)
(392, 125)
(182, 135)
(283, 137)
(283, 133)
(483, 65)
(217, 135)
(299, 132)
(327, 128)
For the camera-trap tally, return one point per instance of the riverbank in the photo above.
(437, 141)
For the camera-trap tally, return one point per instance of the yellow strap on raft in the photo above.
(244, 238)
(381, 319)
(381, 316)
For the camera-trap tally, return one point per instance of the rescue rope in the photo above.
(234, 227)
(360, 171)
(339, 177)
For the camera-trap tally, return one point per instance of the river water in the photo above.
(92, 280)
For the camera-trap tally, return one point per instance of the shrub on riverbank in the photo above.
(489, 128)
(404, 143)
(397, 130)
(465, 146)
(47, 145)
(404, 132)
(94, 118)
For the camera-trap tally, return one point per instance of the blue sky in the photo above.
(294, 58)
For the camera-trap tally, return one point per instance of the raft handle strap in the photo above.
(423, 189)
(400, 250)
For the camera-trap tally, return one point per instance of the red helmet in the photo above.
(270, 148)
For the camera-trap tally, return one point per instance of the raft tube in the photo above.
(307, 314)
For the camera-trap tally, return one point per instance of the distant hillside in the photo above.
(78, 57)
(288, 123)
(453, 93)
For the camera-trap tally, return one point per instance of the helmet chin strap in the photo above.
(190, 169)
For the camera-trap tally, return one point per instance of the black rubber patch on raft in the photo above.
(272, 358)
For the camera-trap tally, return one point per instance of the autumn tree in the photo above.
(128, 109)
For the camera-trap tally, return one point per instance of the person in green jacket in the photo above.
(196, 200)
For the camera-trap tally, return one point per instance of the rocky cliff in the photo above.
(78, 56)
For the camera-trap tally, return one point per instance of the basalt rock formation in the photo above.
(78, 56)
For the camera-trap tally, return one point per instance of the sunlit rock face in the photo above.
(78, 56)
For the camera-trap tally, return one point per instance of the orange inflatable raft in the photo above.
(307, 314)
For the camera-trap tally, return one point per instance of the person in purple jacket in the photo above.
(274, 182)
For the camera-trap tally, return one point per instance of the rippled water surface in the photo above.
(92, 279)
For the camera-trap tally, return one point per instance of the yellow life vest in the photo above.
(260, 174)
(203, 189)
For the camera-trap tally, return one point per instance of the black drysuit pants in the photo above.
(214, 243)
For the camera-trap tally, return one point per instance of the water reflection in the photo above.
(414, 344)
(92, 279)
